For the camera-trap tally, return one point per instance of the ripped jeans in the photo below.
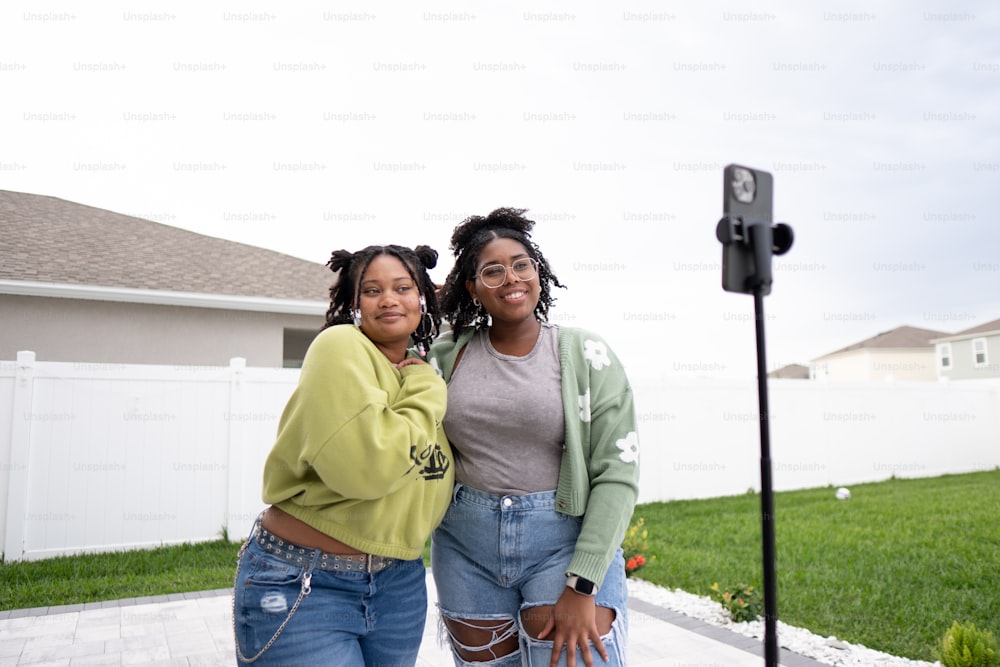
(294, 609)
(495, 556)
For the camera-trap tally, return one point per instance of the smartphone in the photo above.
(746, 202)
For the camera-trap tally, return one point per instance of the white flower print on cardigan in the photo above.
(585, 406)
(596, 352)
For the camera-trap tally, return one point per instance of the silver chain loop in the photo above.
(304, 590)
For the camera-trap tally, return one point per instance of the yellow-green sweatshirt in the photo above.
(360, 454)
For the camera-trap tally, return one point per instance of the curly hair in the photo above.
(467, 241)
(351, 266)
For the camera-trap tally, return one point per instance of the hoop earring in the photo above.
(423, 331)
(476, 302)
(423, 304)
(424, 327)
(356, 316)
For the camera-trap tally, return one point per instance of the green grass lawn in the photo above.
(891, 568)
(113, 576)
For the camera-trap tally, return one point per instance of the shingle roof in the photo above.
(790, 372)
(989, 327)
(904, 337)
(992, 328)
(50, 240)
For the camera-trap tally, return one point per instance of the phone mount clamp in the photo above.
(762, 240)
(749, 241)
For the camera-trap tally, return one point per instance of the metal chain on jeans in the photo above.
(303, 592)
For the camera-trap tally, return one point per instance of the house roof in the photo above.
(904, 337)
(790, 372)
(46, 240)
(989, 328)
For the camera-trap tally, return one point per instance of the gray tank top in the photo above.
(505, 416)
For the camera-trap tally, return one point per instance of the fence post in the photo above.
(236, 441)
(20, 449)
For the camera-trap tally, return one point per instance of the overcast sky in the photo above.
(305, 127)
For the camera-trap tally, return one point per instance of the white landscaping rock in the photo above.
(828, 650)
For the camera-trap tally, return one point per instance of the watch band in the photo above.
(581, 585)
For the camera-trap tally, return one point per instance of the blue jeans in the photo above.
(316, 616)
(495, 556)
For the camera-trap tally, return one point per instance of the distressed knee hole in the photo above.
(480, 639)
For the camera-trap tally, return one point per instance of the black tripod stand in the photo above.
(749, 239)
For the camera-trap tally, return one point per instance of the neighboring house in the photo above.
(86, 285)
(790, 372)
(972, 354)
(903, 353)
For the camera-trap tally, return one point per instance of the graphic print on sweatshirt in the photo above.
(431, 460)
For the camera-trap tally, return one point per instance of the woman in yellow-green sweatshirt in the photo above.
(359, 476)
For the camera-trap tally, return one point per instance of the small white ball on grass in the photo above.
(843, 493)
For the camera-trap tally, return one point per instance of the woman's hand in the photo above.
(409, 361)
(573, 624)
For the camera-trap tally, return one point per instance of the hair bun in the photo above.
(339, 260)
(427, 255)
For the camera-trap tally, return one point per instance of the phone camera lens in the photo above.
(744, 185)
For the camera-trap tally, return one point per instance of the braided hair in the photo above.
(467, 241)
(351, 266)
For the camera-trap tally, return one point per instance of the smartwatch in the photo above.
(581, 585)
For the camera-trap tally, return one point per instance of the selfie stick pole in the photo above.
(760, 241)
(766, 495)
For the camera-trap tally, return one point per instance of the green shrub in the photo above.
(967, 646)
(743, 604)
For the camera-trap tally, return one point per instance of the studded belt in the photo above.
(303, 556)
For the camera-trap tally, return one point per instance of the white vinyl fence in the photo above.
(102, 457)
(702, 439)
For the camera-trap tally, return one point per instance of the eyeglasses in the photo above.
(495, 275)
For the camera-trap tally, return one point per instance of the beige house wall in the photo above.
(848, 366)
(60, 329)
(876, 364)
